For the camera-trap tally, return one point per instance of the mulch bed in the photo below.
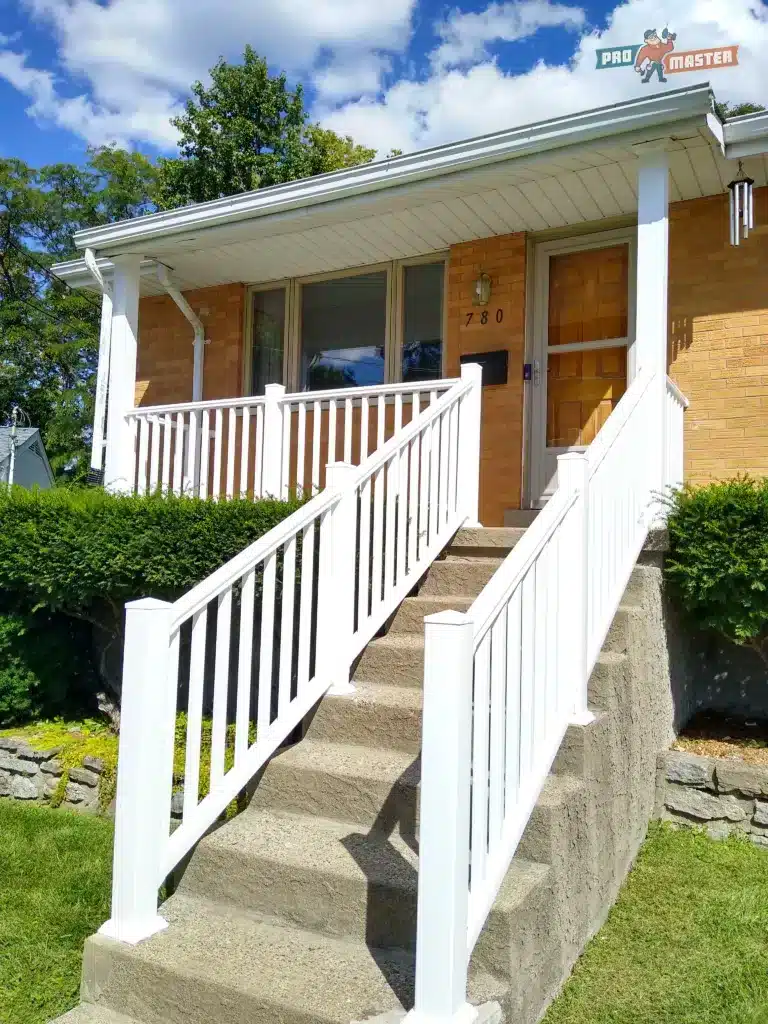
(714, 734)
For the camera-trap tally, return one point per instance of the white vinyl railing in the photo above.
(269, 446)
(503, 682)
(260, 641)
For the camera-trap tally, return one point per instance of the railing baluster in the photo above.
(317, 423)
(143, 450)
(442, 501)
(221, 687)
(402, 512)
(393, 467)
(244, 666)
(364, 417)
(305, 606)
(364, 565)
(527, 676)
(398, 413)
(423, 531)
(513, 718)
(378, 537)
(218, 432)
(192, 481)
(380, 421)
(285, 471)
(231, 435)
(154, 463)
(266, 651)
(195, 713)
(258, 470)
(178, 454)
(434, 482)
(301, 444)
(348, 430)
(245, 445)
(205, 452)
(331, 431)
(413, 503)
(498, 685)
(166, 453)
(286, 625)
(480, 754)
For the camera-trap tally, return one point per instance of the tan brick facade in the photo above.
(503, 259)
(718, 305)
(165, 359)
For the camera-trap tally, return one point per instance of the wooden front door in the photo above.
(584, 313)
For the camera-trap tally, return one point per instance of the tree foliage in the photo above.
(247, 130)
(724, 110)
(718, 563)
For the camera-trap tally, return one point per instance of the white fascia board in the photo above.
(646, 113)
(77, 274)
(746, 136)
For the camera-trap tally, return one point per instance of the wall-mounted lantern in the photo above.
(742, 206)
(481, 293)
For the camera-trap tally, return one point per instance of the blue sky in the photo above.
(406, 73)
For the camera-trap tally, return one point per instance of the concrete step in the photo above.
(313, 873)
(376, 715)
(575, 755)
(396, 659)
(517, 517)
(87, 1013)
(609, 680)
(495, 541)
(366, 786)
(618, 637)
(458, 576)
(550, 818)
(411, 613)
(215, 964)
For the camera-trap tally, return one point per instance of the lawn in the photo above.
(54, 891)
(686, 943)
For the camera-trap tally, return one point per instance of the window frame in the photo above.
(394, 323)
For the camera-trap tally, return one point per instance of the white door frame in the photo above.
(538, 492)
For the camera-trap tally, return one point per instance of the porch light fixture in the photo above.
(742, 206)
(482, 290)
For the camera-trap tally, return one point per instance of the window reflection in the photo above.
(423, 322)
(268, 339)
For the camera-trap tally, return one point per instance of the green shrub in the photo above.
(45, 668)
(718, 563)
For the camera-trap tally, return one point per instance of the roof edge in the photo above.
(528, 140)
(746, 135)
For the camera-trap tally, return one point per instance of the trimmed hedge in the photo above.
(83, 553)
(718, 562)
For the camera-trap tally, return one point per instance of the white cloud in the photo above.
(138, 56)
(455, 103)
(465, 37)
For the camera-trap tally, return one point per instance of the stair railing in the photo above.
(256, 645)
(503, 682)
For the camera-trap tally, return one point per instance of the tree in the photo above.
(247, 130)
(725, 110)
(49, 333)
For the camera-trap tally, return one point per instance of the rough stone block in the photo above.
(760, 841)
(12, 764)
(735, 776)
(23, 788)
(95, 764)
(718, 829)
(9, 743)
(52, 767)
(5, 784)
(50, 787)
(689, 769)
(38, 756)
(761, 813)
(84, 777)
(705, 806)
(75, 794)
(177, 804)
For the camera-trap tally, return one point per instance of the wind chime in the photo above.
(742, 206)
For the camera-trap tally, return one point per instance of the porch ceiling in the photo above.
(559, 188)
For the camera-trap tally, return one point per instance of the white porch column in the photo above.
(118, 472)
(652, 278)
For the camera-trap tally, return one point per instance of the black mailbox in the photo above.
(495, 365)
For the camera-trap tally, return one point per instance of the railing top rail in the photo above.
(613, 426)
(379, 458)
(675, 391)
(370, 391)
(492, 598)
(210, 403)
(199, 596)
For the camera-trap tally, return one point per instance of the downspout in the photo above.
(197, 325)
(99, 442)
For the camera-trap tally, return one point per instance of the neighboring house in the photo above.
(23, 460)
(248, 342)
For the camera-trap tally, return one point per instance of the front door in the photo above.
(582, 327)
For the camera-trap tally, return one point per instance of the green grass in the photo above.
(55, 869)
(686, 943)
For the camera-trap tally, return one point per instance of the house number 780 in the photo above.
(484, 317)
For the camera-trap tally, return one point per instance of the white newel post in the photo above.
(573, 477)
(337, 583)
(652, 279)
(120, 460)
(145, 772)
(469, 441)
(272, 442)
(441, 930)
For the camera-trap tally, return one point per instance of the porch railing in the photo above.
(503, 681)
(266, 446)
(260, 641)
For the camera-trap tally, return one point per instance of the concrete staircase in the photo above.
(302, 909)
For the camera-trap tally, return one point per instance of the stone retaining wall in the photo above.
(27, 774)
(724, 795)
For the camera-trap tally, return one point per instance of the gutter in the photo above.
(647, 113)
(197, 326)
(746, 136)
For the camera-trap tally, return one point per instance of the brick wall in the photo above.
(718, 304)
(503, 259)
(165, 358)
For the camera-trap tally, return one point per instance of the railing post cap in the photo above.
(274, 389)
(448, 618)
(147, 604)
(471, 370)
(339, 469)
(572, 457)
